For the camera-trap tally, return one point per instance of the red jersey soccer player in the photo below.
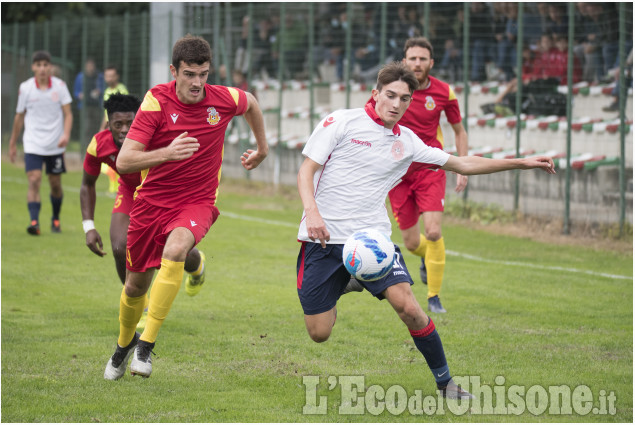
(176, 141)
(422, 192)
(104, 148)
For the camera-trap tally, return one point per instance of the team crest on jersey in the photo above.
(397, 150)
(214, 117)
(430, 105)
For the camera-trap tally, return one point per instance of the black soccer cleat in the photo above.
(55, 226)
(34, 228)
(434, 305)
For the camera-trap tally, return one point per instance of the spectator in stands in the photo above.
(527, 73)
(368, 45)
(88, 90)
(542, 8)
(558, 60)
(407, 25)
(335, 43)
(557, 23)
(240, 59)
(506, 48)
(598, 47)
(481, 39)
(451, 66)
(294, 45)
(261, 53)
(534, 24)
(536, 66)
(542, 62)
(499, 25)
(628, 69)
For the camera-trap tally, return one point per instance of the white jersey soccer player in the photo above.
(44, 120)
(361, 161)
(353, 158)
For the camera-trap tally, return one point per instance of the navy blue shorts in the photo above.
(322, 277)
(54, 163)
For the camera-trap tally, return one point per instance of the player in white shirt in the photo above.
(44, 110)
(353, 158)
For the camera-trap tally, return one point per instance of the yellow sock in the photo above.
(164, 289)
(422, 248)
(130, 310)
(435, 264)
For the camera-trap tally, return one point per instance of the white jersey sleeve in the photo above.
(22, 97)
(431, 157)
(65, 95)
(324, 138)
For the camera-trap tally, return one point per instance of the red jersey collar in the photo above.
(370, 110)
(49, 86)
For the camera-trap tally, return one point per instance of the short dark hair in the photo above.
(397, 71)
(121, 103)
(418, 42)
(111, 66)
(191, 50)
(41, 55)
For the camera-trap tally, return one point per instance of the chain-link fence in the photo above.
(303, 60)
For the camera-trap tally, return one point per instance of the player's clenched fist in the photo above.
(182, 147)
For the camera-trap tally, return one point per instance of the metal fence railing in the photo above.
(304, 59)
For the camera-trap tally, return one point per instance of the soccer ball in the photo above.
(368, 254)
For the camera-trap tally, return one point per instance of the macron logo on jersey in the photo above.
(329, 121)
(174, 117)
(192, 223)
(362, 142)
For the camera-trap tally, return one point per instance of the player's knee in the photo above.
(319, 335)
(319, 331)
(133, 290)
(433, 235)
(176, 251)
(34, 181)
(409, 311)
(412, 244)
(118, 246)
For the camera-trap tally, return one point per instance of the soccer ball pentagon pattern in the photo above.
(368, 254)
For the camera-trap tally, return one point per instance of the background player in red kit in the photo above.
(104, 149)
(422, 192)
(176, 141)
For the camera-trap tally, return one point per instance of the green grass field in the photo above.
(238, 351)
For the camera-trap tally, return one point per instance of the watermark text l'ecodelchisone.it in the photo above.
(498, 399)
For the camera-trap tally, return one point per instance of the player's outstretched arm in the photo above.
(133, 157)
(250, 159)
(315, 226)
(470, 165)
(87, 200)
